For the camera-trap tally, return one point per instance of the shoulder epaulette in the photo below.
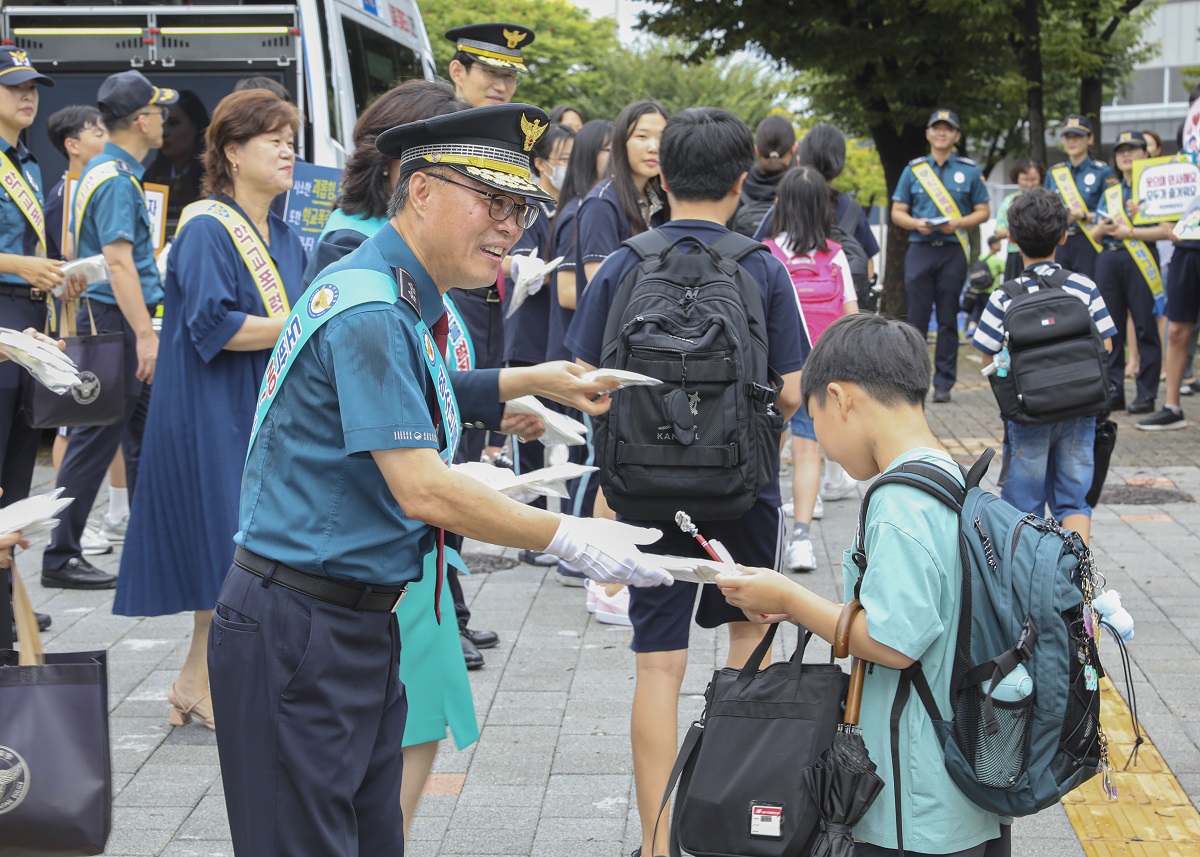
(1111, 181)
(1098, 164)
(122, 166)
(966, 161)
(408, 289)
(919, 160)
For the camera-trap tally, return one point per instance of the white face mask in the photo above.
(557, 176)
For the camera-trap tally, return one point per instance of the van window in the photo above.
(376, 62)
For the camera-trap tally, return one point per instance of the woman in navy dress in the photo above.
(216, 336)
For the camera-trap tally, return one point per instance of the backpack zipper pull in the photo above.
(690, 296)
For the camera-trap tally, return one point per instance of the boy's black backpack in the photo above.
(856, 256)
(1058, 368)
(749, 214)
(1026, 600)
(980, 278)
(705, 441)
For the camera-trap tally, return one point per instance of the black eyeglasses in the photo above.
(156, 111)
(501, 207)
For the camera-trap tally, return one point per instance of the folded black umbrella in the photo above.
(1106, 441)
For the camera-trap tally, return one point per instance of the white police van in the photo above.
(333, 56)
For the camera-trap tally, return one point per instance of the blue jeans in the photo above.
(1051, 465)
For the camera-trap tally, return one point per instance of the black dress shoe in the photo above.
(78, 573)
(480, 639)
(1116, 403)
(1141, 406)
(941, 397)
(43, 623)
(471, 655)
(542, 560)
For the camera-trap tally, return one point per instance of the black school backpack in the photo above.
(856, 256)
(750, 213)
(1058, 368)
(704, 441)
(1026, 602)
(980, 277)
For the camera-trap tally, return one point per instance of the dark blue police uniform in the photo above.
(935, 267)
(310, 737)
(661, 615)
(1092, 177)
(115, 212)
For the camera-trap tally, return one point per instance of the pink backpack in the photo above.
(819, 286)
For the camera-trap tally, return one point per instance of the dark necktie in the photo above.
(441, 332)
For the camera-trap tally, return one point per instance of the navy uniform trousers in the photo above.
(1125, 291)
(1077, 254)
(18, 439)
(313, 694)
(934, 275)
(92, 448)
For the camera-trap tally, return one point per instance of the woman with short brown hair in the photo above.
(233, 271)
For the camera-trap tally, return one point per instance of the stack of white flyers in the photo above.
(695, 570)
(44, 361)
(623, 376)
(34, 515)
(92, 268)
(529, 273)
(559, 428)
(545, 482)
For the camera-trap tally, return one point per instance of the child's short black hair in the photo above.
(703, 152)
(885, 356)
(994, 240)
(70, 121)
(1037, 220)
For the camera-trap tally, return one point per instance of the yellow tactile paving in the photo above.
(1152, 815)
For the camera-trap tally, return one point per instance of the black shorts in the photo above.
(1183, 286)
(661, 614)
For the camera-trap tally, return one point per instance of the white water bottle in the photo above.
(1014, 687)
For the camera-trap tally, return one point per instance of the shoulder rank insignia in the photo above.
(1111, 181)
(408, 289)
(966, 161)
(1098, 164)
(122, 166)
(532, 131)
(919, 160)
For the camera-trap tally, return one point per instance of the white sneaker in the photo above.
(94, 544)
(819, 509)
(590, 586)
(789, 509)
(801, 556)
(112, 530)
(612, 609)
(838, 484)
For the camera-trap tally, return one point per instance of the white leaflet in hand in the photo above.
(524, 487)
(92, 268)
(527, 273)
(694, 570)
(45, 362)
(623, 376)
(34, 514)
(722, 552)
(559, 428)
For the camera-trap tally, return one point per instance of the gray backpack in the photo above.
(705, 441)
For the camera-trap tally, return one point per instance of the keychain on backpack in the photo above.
(1002, 362)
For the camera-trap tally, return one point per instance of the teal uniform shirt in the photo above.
(912, 594)
(312, 496)
(17, 236)
(1092, 177)
(116, 212)
(962, 178)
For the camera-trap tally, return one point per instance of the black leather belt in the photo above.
(23, 292)
(356, 596)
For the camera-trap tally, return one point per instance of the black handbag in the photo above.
(55, 758)
(740, 789)
(99, 398)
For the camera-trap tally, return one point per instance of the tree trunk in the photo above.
(895, 148)
(1091, 96)
(1029, 22)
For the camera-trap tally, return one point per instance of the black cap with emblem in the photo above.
(490, 144)
(497, 45)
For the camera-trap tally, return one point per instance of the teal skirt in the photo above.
(432, 668)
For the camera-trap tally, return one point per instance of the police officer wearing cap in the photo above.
(108, 216)
(484, 69)
(1081, 181)
(937, 199)
(346, 488)
(26, 279)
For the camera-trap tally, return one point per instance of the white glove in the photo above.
(607, 552)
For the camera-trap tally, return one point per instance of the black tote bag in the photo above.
(740, 789)
(99, 398)
(55, 758)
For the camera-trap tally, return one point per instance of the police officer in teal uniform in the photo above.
(108, 215)
(347, 489)
(1090, 177)
(935, 266)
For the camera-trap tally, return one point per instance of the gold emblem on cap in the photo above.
(1073, 122)
(436, 157)
(514, 37)
(499, 178)
(20, 57)
(532, 131)
(1126, 135)
(943, 114)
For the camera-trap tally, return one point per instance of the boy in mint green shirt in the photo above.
(864, 384)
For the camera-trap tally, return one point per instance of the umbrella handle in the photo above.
(841, 648)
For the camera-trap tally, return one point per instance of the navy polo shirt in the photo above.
(525, 331)
(312, 496)
(962, 178)
(17, 236)
(1092, 177)
(787, 337)
(116, 212)
(562, 243)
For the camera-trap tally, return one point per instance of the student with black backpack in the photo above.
(708, 374)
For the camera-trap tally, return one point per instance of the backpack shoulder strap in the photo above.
(1013, 288)
(735, 246)
(849, 219)
(649, 243)
(1058, 277)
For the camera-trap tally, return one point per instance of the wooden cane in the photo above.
(858, 670)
